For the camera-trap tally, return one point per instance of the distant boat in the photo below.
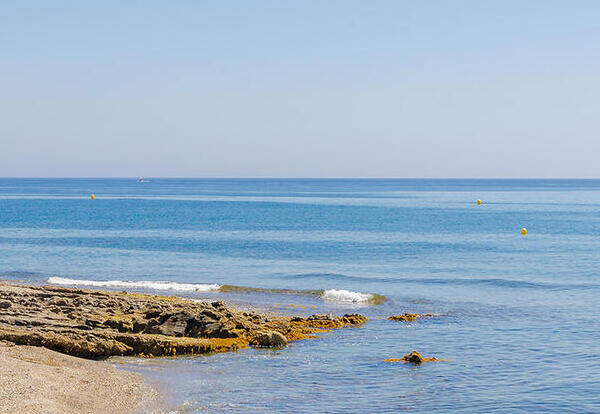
(142, 180)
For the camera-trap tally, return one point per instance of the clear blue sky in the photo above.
(300, 89)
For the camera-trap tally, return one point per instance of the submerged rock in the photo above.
(329, 321)
(409, 317)
(354, 318)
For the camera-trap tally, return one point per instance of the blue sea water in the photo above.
(520, 316)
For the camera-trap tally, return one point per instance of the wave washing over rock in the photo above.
(346, 296)
(331, 295)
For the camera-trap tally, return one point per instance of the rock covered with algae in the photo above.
(410, 317)
(269, 339)
(97, 324)
(412, 358)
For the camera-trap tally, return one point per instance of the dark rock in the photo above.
(93, 322)
(354, 318)
(4, 304)
(212, 329)
(414, 357)
(174, 324)
(320, 317)
(153, 313)
(210, 314)
(270, 339)
(120, 325)
(139, 326)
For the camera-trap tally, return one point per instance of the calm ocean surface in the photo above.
(520, 321)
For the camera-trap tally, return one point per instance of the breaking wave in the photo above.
(330, 295)
(142, 284)
(346, 296)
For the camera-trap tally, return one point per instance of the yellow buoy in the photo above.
(523, 231)
(478, 202)
(92, 196)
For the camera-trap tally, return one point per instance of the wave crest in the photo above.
(330, 295)
(142, 284)
(346, 296)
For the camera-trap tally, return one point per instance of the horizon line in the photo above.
(284, 178)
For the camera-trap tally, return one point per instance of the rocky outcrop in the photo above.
(329, 321)
(96, 324)
(413, 358)
(410, 317)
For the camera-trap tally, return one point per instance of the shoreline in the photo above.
(97, 324)
(62, 333)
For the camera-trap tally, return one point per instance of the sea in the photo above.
(518, 316)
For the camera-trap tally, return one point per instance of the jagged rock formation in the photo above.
(97, 324)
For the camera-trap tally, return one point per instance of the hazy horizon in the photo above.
(343, 89)
(304, 178)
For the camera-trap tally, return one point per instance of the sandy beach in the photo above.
(38, 380)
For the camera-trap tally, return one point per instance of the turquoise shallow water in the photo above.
(520, 324)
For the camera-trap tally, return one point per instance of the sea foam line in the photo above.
(330, 295)
(143, 284)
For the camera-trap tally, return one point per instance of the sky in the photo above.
(300, 88)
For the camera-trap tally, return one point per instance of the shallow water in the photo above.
(520, 315)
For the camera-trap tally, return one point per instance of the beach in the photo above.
(38, 380)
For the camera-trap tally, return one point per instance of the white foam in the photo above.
(142, 284)
(346, 296)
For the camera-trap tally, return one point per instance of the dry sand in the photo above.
(38, 380)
